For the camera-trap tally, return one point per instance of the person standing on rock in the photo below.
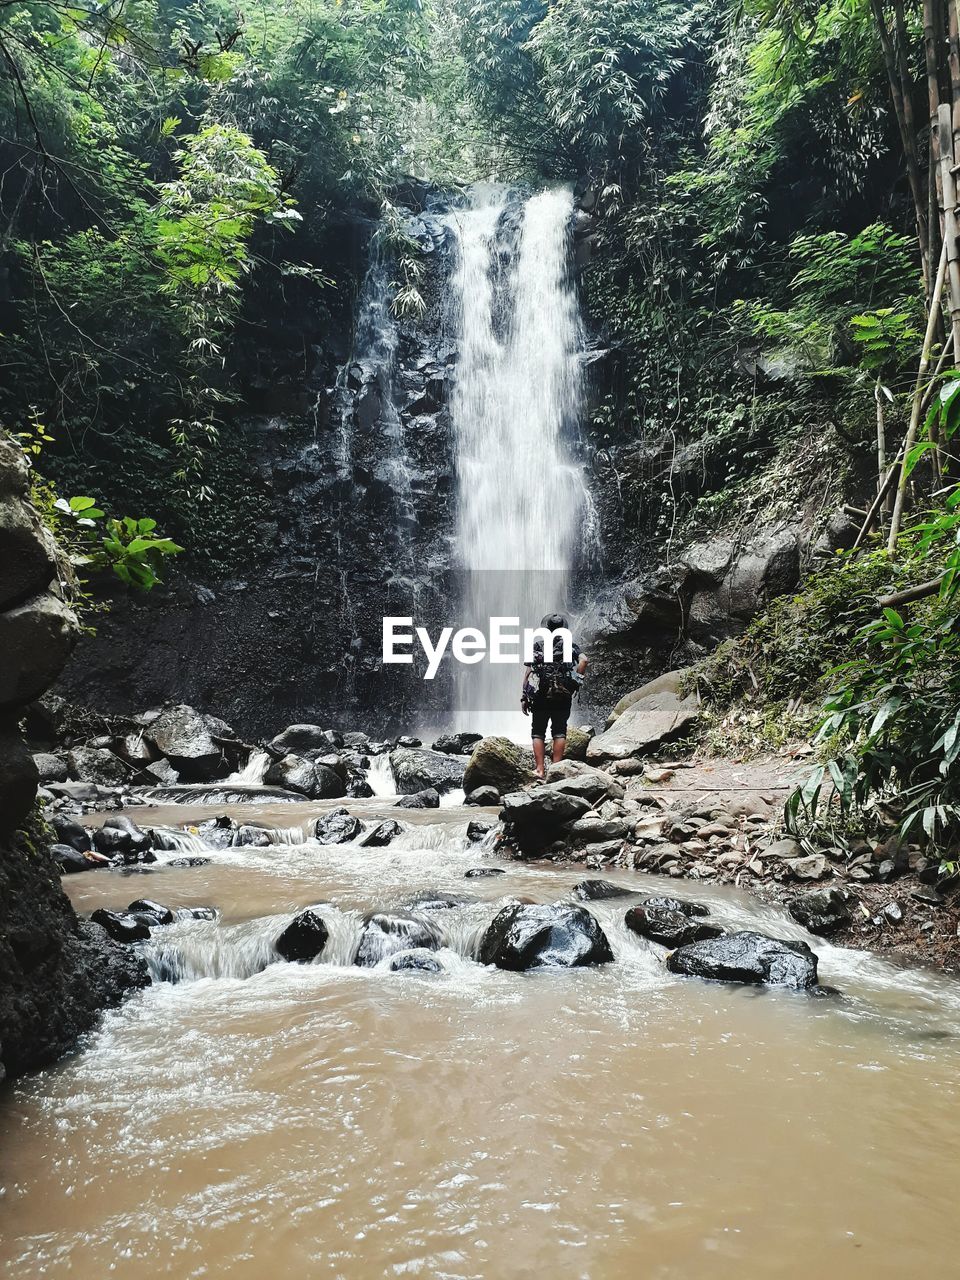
(548, 689)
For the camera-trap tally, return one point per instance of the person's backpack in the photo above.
(556, 679)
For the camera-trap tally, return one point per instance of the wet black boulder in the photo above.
(72, 833)
(71, 860)
(748, 957)
(387, 933)
(485, 795)
(478, 873)
(151, 912)
(669, 927)
(381, 834)
(429, 798)
(339, 826)
(596, 890)
(120, 926)
(304, 937)
(822, 911)
(478, 830)
(529, 936)
(416, 961)
(658, 902)
(457, 744)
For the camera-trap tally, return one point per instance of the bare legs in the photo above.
(539, 752)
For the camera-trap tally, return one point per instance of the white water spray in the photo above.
(515, 402)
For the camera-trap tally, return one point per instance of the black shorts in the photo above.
(554, 710)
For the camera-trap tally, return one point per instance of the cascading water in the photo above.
(515, 402)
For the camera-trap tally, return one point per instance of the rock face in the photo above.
(644, 726)
(415, 770)
(56, 973)
(498, 763)
(748, 957)
(526, 936)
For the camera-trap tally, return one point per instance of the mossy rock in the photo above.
(498, 762)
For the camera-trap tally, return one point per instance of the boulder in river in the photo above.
(426, 799)
(297, 738)
(182, 735)
(483, 796)
(480, 873)
(71, 832)
(304, 937)
(499, 763)
(437, 900)
(597, 890)
(120, 926)
(667, 926)
(414, 770)
(339, 826)
(748, 957)
(137, 839)
(478, 830)
(381, 834)
(150, 912)
(71, 860)
(643, 727)
(418, 960)
(310, 778)
(386, 933)
(457, 744)
(822, 911)
(532, 936)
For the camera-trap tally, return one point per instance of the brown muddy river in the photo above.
(326, 1121)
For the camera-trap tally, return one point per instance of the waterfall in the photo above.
(515, 403)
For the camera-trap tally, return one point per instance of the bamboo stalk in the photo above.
(950, 230)
(918, 592)
(896, 519)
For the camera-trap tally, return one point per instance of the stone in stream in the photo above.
(304, 937)
(310, 778)
(386, 933)
(297, 738)
(407, 741)
(436, 900)
(668, 927)
(183, 736)
(194, 913)
(415, 770)
(530, 936)
(72, 833)
(595, 890)
(189, 862)
(822, 911)
(457, 744)
(381, 834)
(219, 832)
(483, 796)
(417, 960)
(478, 830)
(339, 826)
(138, 840)
(121, 927)
(249, 836)
(71, 860)
(748, 957)
(146, 907)
(427, 799)
(477, 873)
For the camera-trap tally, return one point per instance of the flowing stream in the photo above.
(258, 1117)
(515, 404)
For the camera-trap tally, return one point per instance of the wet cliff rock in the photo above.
(56, 973)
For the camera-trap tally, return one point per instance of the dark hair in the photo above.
(553, 621)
